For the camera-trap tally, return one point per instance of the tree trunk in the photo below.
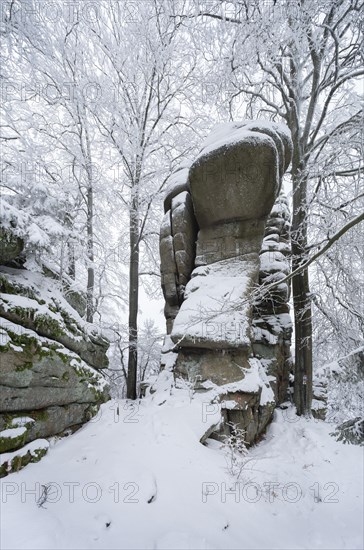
(303, 343)
(90, 257)
(301, 297)
(133, 299)
(71, 270)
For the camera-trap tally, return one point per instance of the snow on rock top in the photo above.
(179, 176)
(96, 380)
(11, 301)
(226, 135)
(179, 200)
(255, 380)
(177, 182)
(12, 433)
(229, 133)
(280, 209)
(33, 447)
(21, 421)
(215, 310)
(213, 143)
(13, 218)
(44, 289)
(273, 261)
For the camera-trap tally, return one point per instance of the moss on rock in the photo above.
(10, 442)
(48, 364)
(30, 453)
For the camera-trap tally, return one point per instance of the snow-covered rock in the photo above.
(50, 357)
(272, 325)
(213, 261)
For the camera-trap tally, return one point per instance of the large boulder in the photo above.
(38, 372)
(237, 174)
(35, 302)
(50, 362)
(226, 336)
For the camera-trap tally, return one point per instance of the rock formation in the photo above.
(224, 236)
(48, 360)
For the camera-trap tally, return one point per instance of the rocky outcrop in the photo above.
(228, 337)
(49, 362)
(70, 291)
(24, 301)
(271, 325)
(177, 250)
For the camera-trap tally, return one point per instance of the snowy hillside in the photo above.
(142, 479)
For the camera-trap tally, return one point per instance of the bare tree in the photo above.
(50, 85)
(141, 121)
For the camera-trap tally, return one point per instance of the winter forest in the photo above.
(181, 274)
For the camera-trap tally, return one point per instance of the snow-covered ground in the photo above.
(142, 479)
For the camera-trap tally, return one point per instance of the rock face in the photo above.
(224, 237)
(271, 325)
(49, 362)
